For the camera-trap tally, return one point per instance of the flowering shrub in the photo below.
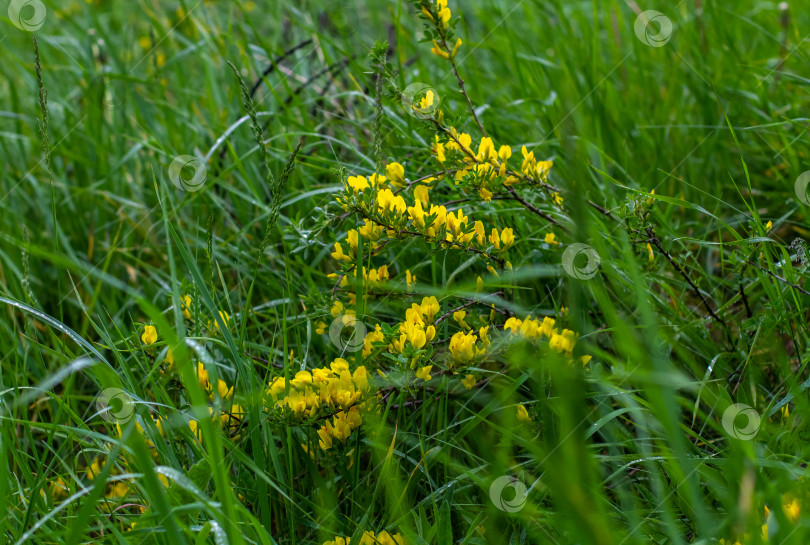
(397, 367)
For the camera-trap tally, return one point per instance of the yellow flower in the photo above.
(563, 342)
(388, 202)
(550, 239)
(469, 382)
(494, 239)
(439, 52)
(792, 511)
(421, 194)
(463, 348)
(485, 194)
(320, 328)
(195, 429)
(438, 150)
(415, 333)
(483, 334)
(202, 376)
(650, 254)
(223, 390)
(507, 237)
(542, 170)
(417, 214)
(430, 306)
(585, 360)
(427, 101)
(150, 335)
(339, 255)
(58, 488)
(395, 174)
(424, 373)
(410, 279)
(224, 317)
(523, 414)
(353, 239)
(486, 150)
(456, 48)
(443, 12)
(185, 305)
(376, 181)
(479, 284)
(769, 226)
(458, 316)
(358, 184)
(169, 359)
(480, 233)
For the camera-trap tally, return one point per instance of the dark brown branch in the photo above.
(652, 238)
(274, 64)
(779, 278)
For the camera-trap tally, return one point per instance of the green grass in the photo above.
(96, 242)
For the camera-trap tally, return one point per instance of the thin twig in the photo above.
(461, 85)
(274, 64)
(470, 303)
(652, 238)
(777, 277)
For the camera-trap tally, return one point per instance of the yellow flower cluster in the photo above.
(790, 508)
(371, 278)
(417, 329)
(222, 388)
(560, 341)
(334, 388)
(340, 428)
(465, 346)
(230, 420)
(369, 538)
(393, 217)
(488, 169)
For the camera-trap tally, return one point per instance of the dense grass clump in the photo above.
(404, 272)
